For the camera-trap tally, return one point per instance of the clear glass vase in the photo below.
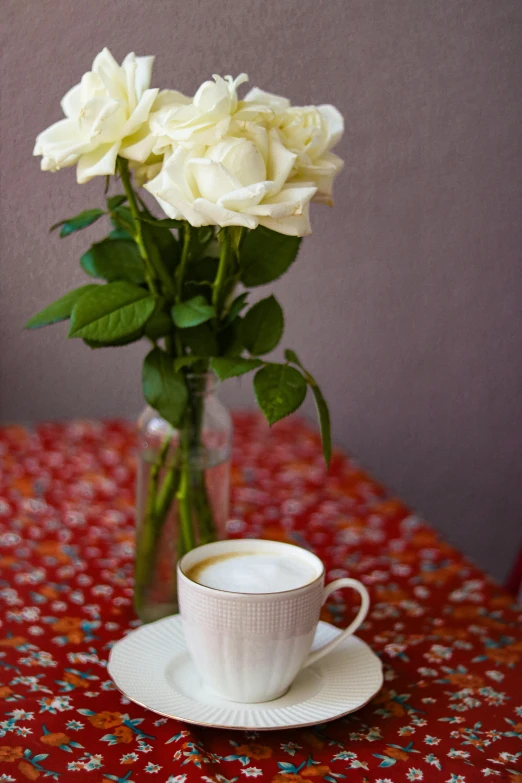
(183, 488)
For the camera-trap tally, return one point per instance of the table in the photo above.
(449, 638)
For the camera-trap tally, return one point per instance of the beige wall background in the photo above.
(405, 302)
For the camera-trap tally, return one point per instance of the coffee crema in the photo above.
(252, 572)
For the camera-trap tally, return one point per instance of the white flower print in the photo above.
(128, 758)
(458, 754)
(75, 725)
(23, 731)
(290, 748)
(20, 715)
(344, 755)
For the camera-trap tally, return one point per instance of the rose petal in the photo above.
(291, 200)
(102, 120)
(110, 74)
(140, 113)
(216, 214)
(212, 179)
(246, 197)
(61, 145)
(172, 191)
(335, 123)
(295, 226)
(270, 99)
(280, 162)
(99, 162)
(322, 173)
(71, 102)
(139, 146)
(143, 74)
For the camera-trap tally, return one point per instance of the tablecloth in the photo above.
(449, 638)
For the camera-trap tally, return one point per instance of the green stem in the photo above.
(169, 487)
(224, 258)
(202, 507)
(150, 529)
(180, 271)
(183, 493)
(155, 472)
(123, 168)
(207, 528)
(180, 277)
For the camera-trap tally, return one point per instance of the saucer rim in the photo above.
(195, 722)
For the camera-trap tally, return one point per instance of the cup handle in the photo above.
(361, 615)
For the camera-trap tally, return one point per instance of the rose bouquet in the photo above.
(235, 178)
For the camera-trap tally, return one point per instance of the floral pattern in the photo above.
(448, 636)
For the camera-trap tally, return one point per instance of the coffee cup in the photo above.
(250, 609)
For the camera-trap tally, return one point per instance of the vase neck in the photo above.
(201, 384)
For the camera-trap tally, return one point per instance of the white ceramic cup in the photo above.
(248, 647)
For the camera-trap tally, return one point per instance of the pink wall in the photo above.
(406, 301)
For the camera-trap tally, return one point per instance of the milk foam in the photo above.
(254, 572)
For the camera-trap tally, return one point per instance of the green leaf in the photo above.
(131, 338)
(83, 220)
(160, 322)
(265, 255)
(199, 275)
(201, 340)
(200, 238)
(279, 390)
(111, 311)
(321, 406)
(116, 201)
(162, 241)
(59, 310)
(163, 387)
(114, 259)
(121, 217)
(120, 233)
(164, 223)
(187, 361)
(236, 307)
(202, 270)
(291, 356)
(263, 326)
(324, 422)
(192, 313)
(230, 340)
(229, 368)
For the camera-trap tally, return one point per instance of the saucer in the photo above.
(152, 667)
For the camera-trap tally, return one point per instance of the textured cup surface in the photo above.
(248, 647)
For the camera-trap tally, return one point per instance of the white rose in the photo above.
(106, 116)
(308, 131)
(202, 120)
(236, 182)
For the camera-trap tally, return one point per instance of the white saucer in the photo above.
(151, 666)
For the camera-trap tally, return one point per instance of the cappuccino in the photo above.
(253, 572)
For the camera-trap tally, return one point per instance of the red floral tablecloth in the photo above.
(449, 638)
